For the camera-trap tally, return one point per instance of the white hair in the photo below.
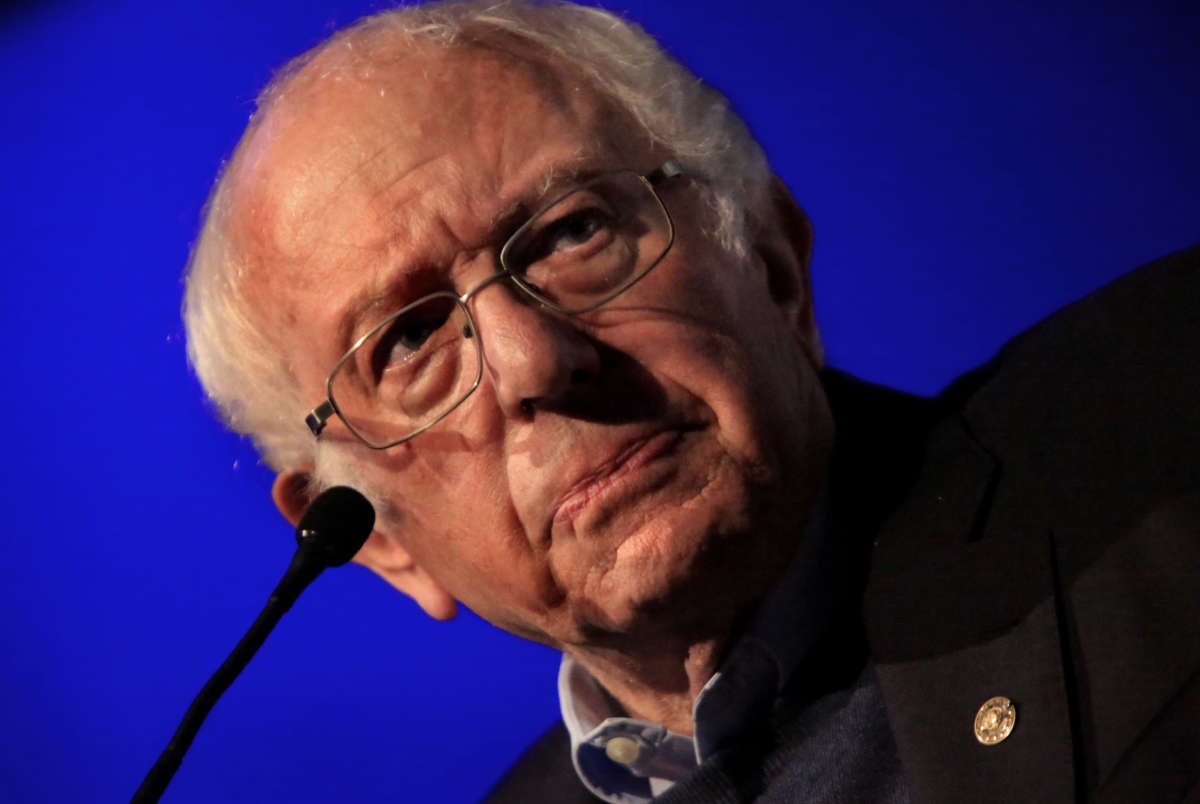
(246, 374)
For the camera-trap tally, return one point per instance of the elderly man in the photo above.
(520, 278)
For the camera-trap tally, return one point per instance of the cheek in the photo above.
(490, 569)
(759, 351)
(732, 356)
(451, 510)
(718, 292)
(716, 371)
(416, 491)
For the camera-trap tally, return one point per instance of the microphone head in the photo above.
(336, 525)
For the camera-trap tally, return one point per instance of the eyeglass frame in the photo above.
(318, 418)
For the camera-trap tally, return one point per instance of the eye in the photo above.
(409, 334)
(572, 231)
(414, 335)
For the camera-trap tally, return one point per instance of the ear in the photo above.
(382, 554)
(784, 243)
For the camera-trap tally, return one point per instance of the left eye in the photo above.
(571, 235)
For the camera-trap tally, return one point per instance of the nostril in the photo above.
(579, 376)
(527, 406)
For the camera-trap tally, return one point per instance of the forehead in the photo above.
(366, 165)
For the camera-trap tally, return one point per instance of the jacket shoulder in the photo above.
(1124, 350)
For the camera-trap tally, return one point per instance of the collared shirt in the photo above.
(623, 760)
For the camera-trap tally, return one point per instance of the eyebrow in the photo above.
(560, 176)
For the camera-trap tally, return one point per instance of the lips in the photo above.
(617, 471)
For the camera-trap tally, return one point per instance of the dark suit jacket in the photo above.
(1037, 536)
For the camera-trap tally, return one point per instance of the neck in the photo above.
(657, 675)
(660, 685)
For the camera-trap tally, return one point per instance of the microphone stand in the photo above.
(300, 574)
(320, 547)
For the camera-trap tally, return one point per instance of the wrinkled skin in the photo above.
(623, 483)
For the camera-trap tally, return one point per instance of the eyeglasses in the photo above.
(580, 251)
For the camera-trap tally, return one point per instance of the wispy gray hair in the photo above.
(243, 370)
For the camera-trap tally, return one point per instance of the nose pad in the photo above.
(534, 357)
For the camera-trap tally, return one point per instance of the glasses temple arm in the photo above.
(667, 170)
(319, 416)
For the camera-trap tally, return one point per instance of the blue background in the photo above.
(969, 167)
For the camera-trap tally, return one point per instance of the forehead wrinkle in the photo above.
(500, 223)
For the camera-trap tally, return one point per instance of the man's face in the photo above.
(616, 473)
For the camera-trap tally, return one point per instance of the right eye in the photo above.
(409, 334)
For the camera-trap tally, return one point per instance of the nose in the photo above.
(535, 358)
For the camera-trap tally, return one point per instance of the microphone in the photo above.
(332, 530)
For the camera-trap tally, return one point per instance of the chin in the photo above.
(693, 569)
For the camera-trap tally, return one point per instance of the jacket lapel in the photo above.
(955, 620)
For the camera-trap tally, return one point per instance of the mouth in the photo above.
(620, 472)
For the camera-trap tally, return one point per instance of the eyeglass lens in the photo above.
(410, 372)
(591, 244)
